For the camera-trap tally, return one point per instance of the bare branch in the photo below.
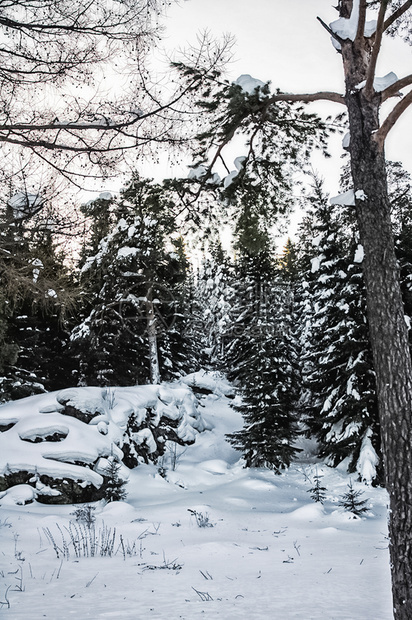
(396, 14)
(332, 34)
(393, 91)
(370, 76)
(389, 122)
(361, 20)
(309, 97)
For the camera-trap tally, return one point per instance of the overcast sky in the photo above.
(282, 41)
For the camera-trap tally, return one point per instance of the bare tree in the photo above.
(358, 39)
(74, 86)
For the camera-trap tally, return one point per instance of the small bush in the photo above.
(202, 520)
(350, 501)
(84, 515)
(317, 491)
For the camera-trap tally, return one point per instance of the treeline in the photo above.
(290, 331)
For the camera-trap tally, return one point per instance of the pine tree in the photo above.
(114, 485)
(212, 297)
(317, 491)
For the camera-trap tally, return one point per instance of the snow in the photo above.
(105, 196)
(197, 172)
(126, 252)
(268, 550)
(360, 195)
(228, 180)
(381, 83)
(239, 164)
(38, 265)
(347, 198)
(368, 459)
(24, 203)
(27, 446)
(359, 254)
(346, 28)
(315, 262)
(346, 140)
(248, 84)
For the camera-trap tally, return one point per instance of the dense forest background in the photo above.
(134, 296)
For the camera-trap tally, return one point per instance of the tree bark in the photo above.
(152, 338)
(388, 331)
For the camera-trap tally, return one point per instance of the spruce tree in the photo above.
(134, 331)
(212, 297)
(339, 393)
(37, 297)
(261, 358)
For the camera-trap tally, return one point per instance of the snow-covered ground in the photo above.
(213, 540)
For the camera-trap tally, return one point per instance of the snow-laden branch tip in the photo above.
(197, 172)
(239, 164)
(248, 84)
(359, 254)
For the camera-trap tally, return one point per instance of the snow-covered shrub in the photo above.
(62, 444)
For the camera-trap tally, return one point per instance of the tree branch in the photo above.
(370, 76)
(308, 97)
(361, 20)
(393, 90)
(332, 34)
(389, 122)
(398, 13)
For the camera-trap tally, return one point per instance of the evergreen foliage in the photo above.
(213, 302)
(261, 358)
(114, 485)
(317, 491)
(339, 393)
(351, 501)
(136, 290)
(37, 299)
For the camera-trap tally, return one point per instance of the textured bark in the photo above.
(388, 332)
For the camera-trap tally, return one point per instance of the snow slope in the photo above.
(265, 550)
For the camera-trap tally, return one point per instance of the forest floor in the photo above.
(211, 540)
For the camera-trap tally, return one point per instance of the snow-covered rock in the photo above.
(64, 436)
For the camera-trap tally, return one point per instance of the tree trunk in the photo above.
(152, 338)
(388, 331)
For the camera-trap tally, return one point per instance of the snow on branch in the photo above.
(393, 89)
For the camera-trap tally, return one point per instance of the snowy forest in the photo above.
(138, 322)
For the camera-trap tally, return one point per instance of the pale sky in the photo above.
(282, 41)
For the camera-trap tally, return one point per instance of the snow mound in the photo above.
(54, 441)
(309, 512)
(19, 495)
(209, 383)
